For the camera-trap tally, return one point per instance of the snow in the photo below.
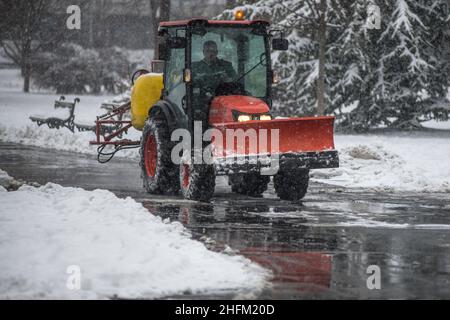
(391, 163)
(119, 248)
(404, 15)
(433, 124)
(5, 179)
(16, 108)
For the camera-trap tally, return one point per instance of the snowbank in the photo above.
(5, 180)
(440, 125)
(391, 163)
(120, 249)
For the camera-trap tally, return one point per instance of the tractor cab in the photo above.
(218, 71)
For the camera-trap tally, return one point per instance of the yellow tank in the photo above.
(145, 93)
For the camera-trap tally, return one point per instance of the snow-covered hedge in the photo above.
(72, 69)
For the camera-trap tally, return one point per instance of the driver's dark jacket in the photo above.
(211, 75)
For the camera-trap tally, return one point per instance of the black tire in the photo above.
(291, 185)
(159, 174)
(250, 184)
(197, 181)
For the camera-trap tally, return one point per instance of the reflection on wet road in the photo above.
(320, 248)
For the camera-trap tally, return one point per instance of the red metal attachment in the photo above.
(111, 125)
(109, 129)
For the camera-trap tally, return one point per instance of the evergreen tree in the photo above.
(395, 76)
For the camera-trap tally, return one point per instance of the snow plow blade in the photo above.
(298, 142)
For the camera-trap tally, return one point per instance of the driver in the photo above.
(215, 70)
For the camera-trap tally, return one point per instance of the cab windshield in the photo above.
(230, 55)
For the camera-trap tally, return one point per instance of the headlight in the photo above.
(244, 118)
(265, 117)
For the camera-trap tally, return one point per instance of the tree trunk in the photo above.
(91, 39)
(154, 8)
(26, 77)
(103, 24)
(322, 36)
(165, 10)
(160, 12)
(26, 65)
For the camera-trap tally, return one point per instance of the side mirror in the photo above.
(158, 66)
(176, 42)
(280, 44)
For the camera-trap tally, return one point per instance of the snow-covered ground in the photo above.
(391, 163)
(50, 235)
(396, 163)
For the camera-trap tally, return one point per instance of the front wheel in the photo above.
(197, 181)
(291, 185)
(159, 173)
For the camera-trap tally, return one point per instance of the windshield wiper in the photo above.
(257, 65)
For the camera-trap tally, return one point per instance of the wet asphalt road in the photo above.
(318, 249)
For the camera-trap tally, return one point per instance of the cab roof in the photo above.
(181, 23)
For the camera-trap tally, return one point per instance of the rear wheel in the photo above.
(251, 184)
(197, 181)
(158, 173)
(292, 184)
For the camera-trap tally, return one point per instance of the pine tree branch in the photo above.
(300, 16)
(313, 7)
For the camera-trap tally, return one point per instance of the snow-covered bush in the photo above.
(72, 69)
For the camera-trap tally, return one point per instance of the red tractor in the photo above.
(217, 81)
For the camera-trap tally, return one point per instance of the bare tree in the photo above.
(160, 11)
(25, 31)
(165, 10)
(20, 25)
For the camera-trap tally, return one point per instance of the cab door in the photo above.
(174, 85)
